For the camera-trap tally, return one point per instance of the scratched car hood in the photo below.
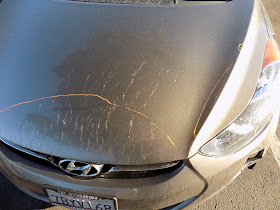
(108, 83)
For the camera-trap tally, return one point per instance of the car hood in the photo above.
(115, 84)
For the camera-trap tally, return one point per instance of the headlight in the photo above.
(257, 114)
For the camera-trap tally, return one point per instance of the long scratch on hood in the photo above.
(100, 97)
(194, 131)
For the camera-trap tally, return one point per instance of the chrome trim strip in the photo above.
(151, 167)
(38, 155)
(119, 168)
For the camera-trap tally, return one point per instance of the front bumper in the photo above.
(193, 182)
(218, 172)
(148, 193)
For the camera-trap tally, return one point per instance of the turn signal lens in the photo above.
(271, 52)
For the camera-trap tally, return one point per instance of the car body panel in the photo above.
(201, 179)
(117, 84)
(147, 193)
(218, 172)
(239, 90)
(148, 71)
(270, 29)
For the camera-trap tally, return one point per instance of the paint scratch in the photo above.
(194, 131)
(98, 96)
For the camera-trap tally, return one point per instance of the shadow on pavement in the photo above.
(12, 198)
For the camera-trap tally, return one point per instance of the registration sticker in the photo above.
(80, 201)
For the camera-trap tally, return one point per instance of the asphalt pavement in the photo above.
(258, 188)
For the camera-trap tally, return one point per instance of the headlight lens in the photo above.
(257, 114)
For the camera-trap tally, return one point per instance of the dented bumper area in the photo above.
(189, 184)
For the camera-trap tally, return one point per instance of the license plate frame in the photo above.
(79, 200)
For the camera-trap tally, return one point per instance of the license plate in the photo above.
(80, 201)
